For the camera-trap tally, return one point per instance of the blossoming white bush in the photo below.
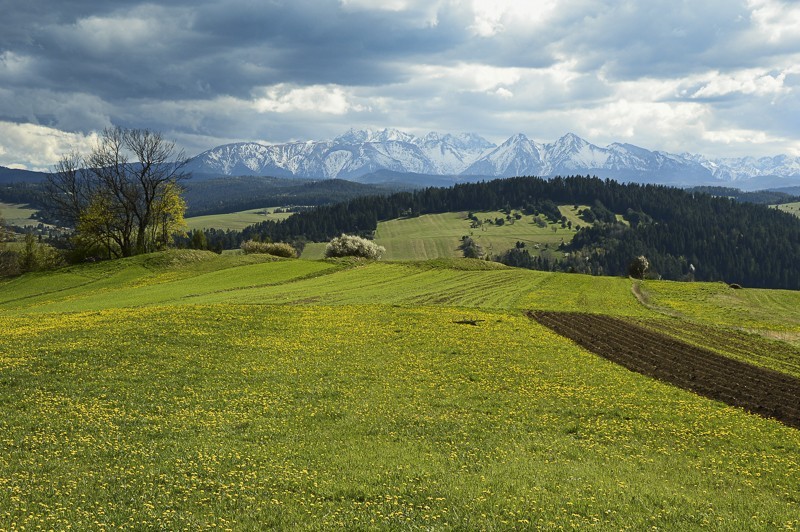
(353, 246)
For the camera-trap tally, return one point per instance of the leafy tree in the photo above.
(198, 240)
(470, 248)
(125, 194)
(168, 216)
(638, 267)
(36, 256)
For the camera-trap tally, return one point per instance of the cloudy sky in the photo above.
(718, 77)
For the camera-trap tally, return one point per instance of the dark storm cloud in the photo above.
(216, 48)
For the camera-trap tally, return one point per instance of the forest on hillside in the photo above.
(684, 235)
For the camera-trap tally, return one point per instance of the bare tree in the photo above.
(67, 188)
(114, 196)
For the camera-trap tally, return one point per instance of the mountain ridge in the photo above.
(359, 153)
(444, 159)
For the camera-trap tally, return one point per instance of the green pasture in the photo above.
(793, 208)
(235, 220)
(772, 312)
(16, 214)
(188, 390)
(314, 251)
(439, 235)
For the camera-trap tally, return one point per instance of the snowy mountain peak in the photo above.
(472, 141)
(363, 151)
(571, 139)
(516, 139)
(360, 136)
(462, 141)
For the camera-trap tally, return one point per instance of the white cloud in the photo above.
(496, 16)
(466, 76)
(752, 81)
(776, 21)
(742, 136)
(32, 147)
(504, 93)
(283, 98)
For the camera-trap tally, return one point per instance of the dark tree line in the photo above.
(230, 194)
(764, 197)
(30, 194)
(681, 233)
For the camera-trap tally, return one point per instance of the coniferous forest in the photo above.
(684, 235)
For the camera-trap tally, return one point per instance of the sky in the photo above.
(716, 77)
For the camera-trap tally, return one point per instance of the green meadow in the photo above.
(15, 214)
(793, 208)
(235, 221)
(439, 235)
(188, 390)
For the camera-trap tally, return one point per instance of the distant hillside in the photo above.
(232, 194)
(11, 175)
(762, 197)
(683, 235)
(792, 191)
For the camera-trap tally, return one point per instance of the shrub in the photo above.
(279, 249)
(470, 248)
(638, 267)
(9, 263)
(353, 246)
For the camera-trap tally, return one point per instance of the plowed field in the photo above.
(758, 390)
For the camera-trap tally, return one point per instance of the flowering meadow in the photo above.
(238, 395)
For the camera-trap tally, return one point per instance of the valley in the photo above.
(19, 215)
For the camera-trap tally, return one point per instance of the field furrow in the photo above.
(756, 389)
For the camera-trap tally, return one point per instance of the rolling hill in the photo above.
(186, 389)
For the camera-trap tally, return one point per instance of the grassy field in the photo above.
(793, 208)
(235, 220)
(191, 390)
(19, 215)
(439, 235)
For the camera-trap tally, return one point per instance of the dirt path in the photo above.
(758, 390)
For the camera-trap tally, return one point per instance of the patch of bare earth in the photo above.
(759, 390)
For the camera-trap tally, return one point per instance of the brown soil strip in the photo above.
(759, 390)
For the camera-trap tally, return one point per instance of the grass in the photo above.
(770, 312)
(235, 220)
(192, 390)
(314, 251)
(793, 208)
(439, 235)
(16, 214)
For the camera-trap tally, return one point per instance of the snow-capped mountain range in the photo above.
(360, 153)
